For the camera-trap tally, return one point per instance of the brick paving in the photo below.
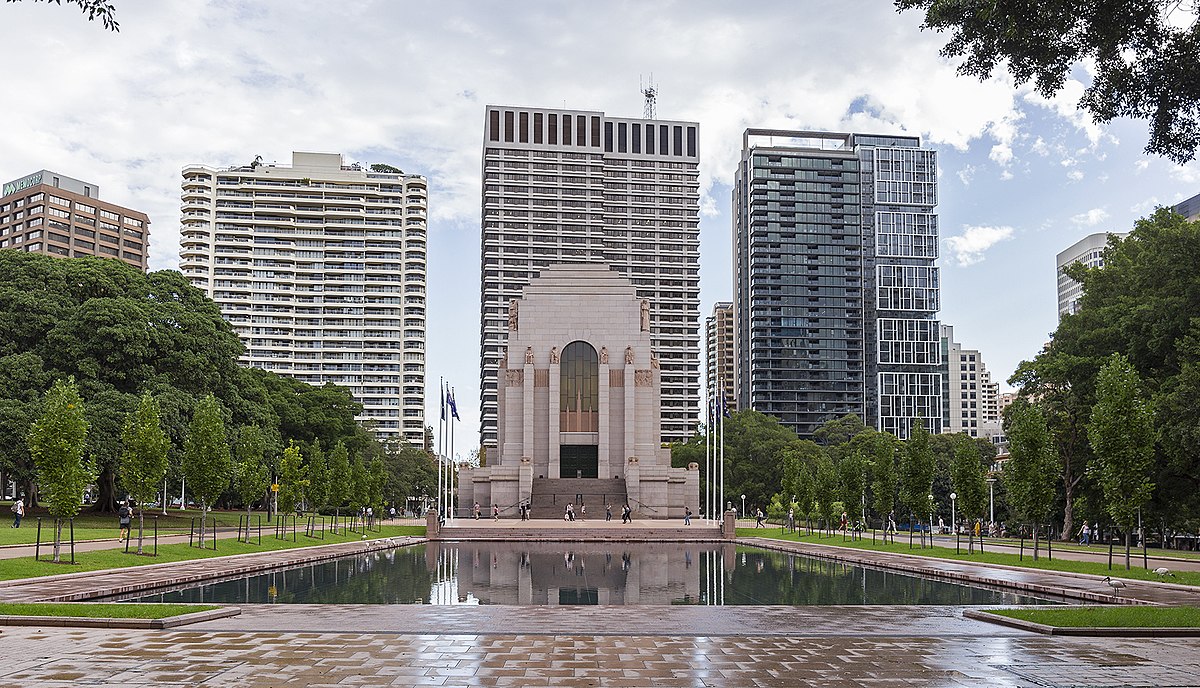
(652, 646)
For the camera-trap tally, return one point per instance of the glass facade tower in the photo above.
(836, 287)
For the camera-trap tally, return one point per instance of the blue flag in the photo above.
(443, 400)
(450, 403)
(724, 406)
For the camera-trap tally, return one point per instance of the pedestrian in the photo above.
(845, 521)
(476, 510)
(941, 525)
(570, 515)
(626, 514)
(582, 511)
(891, 527)
(608, 512)
(124, 515)
(1085, 534)
(758, 513)
(392, 513)
(687, 516)
(791, 522)
(495, 512)
(18, 509)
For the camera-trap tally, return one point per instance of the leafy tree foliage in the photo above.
(1122, 434)
(970, 482)
(825, 484)
(94, 9)
(252, 477)
(799, 461)
(292, 482)
(1031, 471)
(57, 441)
(144, 461)
(916, 471)
(341, 487)
(1146, 65)
(317, 474)
(884, 474)
(206, 458)
(753, 444)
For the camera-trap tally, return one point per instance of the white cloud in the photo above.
(1145, 206)
(1065, 104)
(1188, 174)
(968, 248)
(1091, 218)
(1142, 164)
(966, 174)
(1075, 175)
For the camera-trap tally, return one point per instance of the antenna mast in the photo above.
(651, 95)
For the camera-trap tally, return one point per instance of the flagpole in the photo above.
(441, 442)
(708, 476)
(450, 474)
(721, 443)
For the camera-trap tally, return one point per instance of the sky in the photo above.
(219, 82)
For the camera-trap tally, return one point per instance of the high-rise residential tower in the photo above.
(1189, 208)
(835, 288)
(719, 329)
(971, 400)
(578, 186)
(320, 268)
(1089, 251)
(51, 213)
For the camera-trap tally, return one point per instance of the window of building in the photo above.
(579, 388)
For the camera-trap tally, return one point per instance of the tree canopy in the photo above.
(1144, 56)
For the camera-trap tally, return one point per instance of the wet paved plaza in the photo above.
(652, 646)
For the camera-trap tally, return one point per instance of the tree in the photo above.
(883, 472)
(753, 442)
(206, 457)
(144, 460)
(252, 478)
(1146, 65)
(1031, 469)
(341, 485)
(1122, 435)
(852, 481)
(799, 460)
(967, 475)
(57, 442)
(94, 9)
(360, 484)
(318, 477)
(916, 472)
(825, 485)
(291, 479)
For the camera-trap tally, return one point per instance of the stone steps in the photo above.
(550, 496)
(583, 532)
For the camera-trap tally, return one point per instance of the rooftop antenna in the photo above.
(651, 95)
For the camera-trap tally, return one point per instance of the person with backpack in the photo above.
(18, 509)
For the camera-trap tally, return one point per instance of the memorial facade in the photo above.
(579, 406)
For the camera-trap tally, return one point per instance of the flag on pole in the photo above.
(723, 406)
(443, 400)
(450, 403)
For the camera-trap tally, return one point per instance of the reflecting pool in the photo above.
(560, 573)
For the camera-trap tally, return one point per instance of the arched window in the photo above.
(579, 389)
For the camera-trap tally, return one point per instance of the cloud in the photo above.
(1075, 175)
(968, 248)
(1141, 165)
(966, 174)
(1145, 206)
(1091, 218)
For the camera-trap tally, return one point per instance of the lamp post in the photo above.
(743, 506)
(930, 527)
(953, 496)
(991, 501)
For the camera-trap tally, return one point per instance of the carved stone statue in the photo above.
(512, 315)
(645, 315)
(529, 355)
(604, 355)
(629, 355)
(654, 361)
(554, 354)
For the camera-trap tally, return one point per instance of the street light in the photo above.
(743, 506)
(931, 519)
(953, 496)
(991, 501)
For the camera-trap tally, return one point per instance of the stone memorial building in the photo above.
(578, 402)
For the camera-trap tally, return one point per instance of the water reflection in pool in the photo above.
(559, 573)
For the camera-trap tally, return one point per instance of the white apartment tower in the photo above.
(577, 186)
(1089, 251)
(320, 268)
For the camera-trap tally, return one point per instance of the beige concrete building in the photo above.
(579, 404)
(972, 400)
(51, 213)
(1089, 251)
(719, 357)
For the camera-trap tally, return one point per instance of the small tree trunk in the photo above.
(141, 527)
(58, 539)
(247, 523)
(1127, 531)
(203, 518)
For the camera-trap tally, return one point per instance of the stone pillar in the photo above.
(431, 524)
(525, 480)
(553, 420)
(604, 463)
(729, 525)
(633, 482)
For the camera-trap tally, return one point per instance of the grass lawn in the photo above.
(89, 526)
(1109, 617)
(987, 557)
(26, 567)
(92, 610)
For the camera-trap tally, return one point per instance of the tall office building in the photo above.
(719, 329)
(51, 213)
(578, 186)
(320, 268)
(1089, 251)
(835, 288)
(971, 401)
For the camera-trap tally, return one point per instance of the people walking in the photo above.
(582, 512)
(570, 515)
(608, 512)
(759, 515)
(475, 510)
(18, 509)
(495, 512)
(1085, 534)
(626, 514)
(687, 516)
(124, 516)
